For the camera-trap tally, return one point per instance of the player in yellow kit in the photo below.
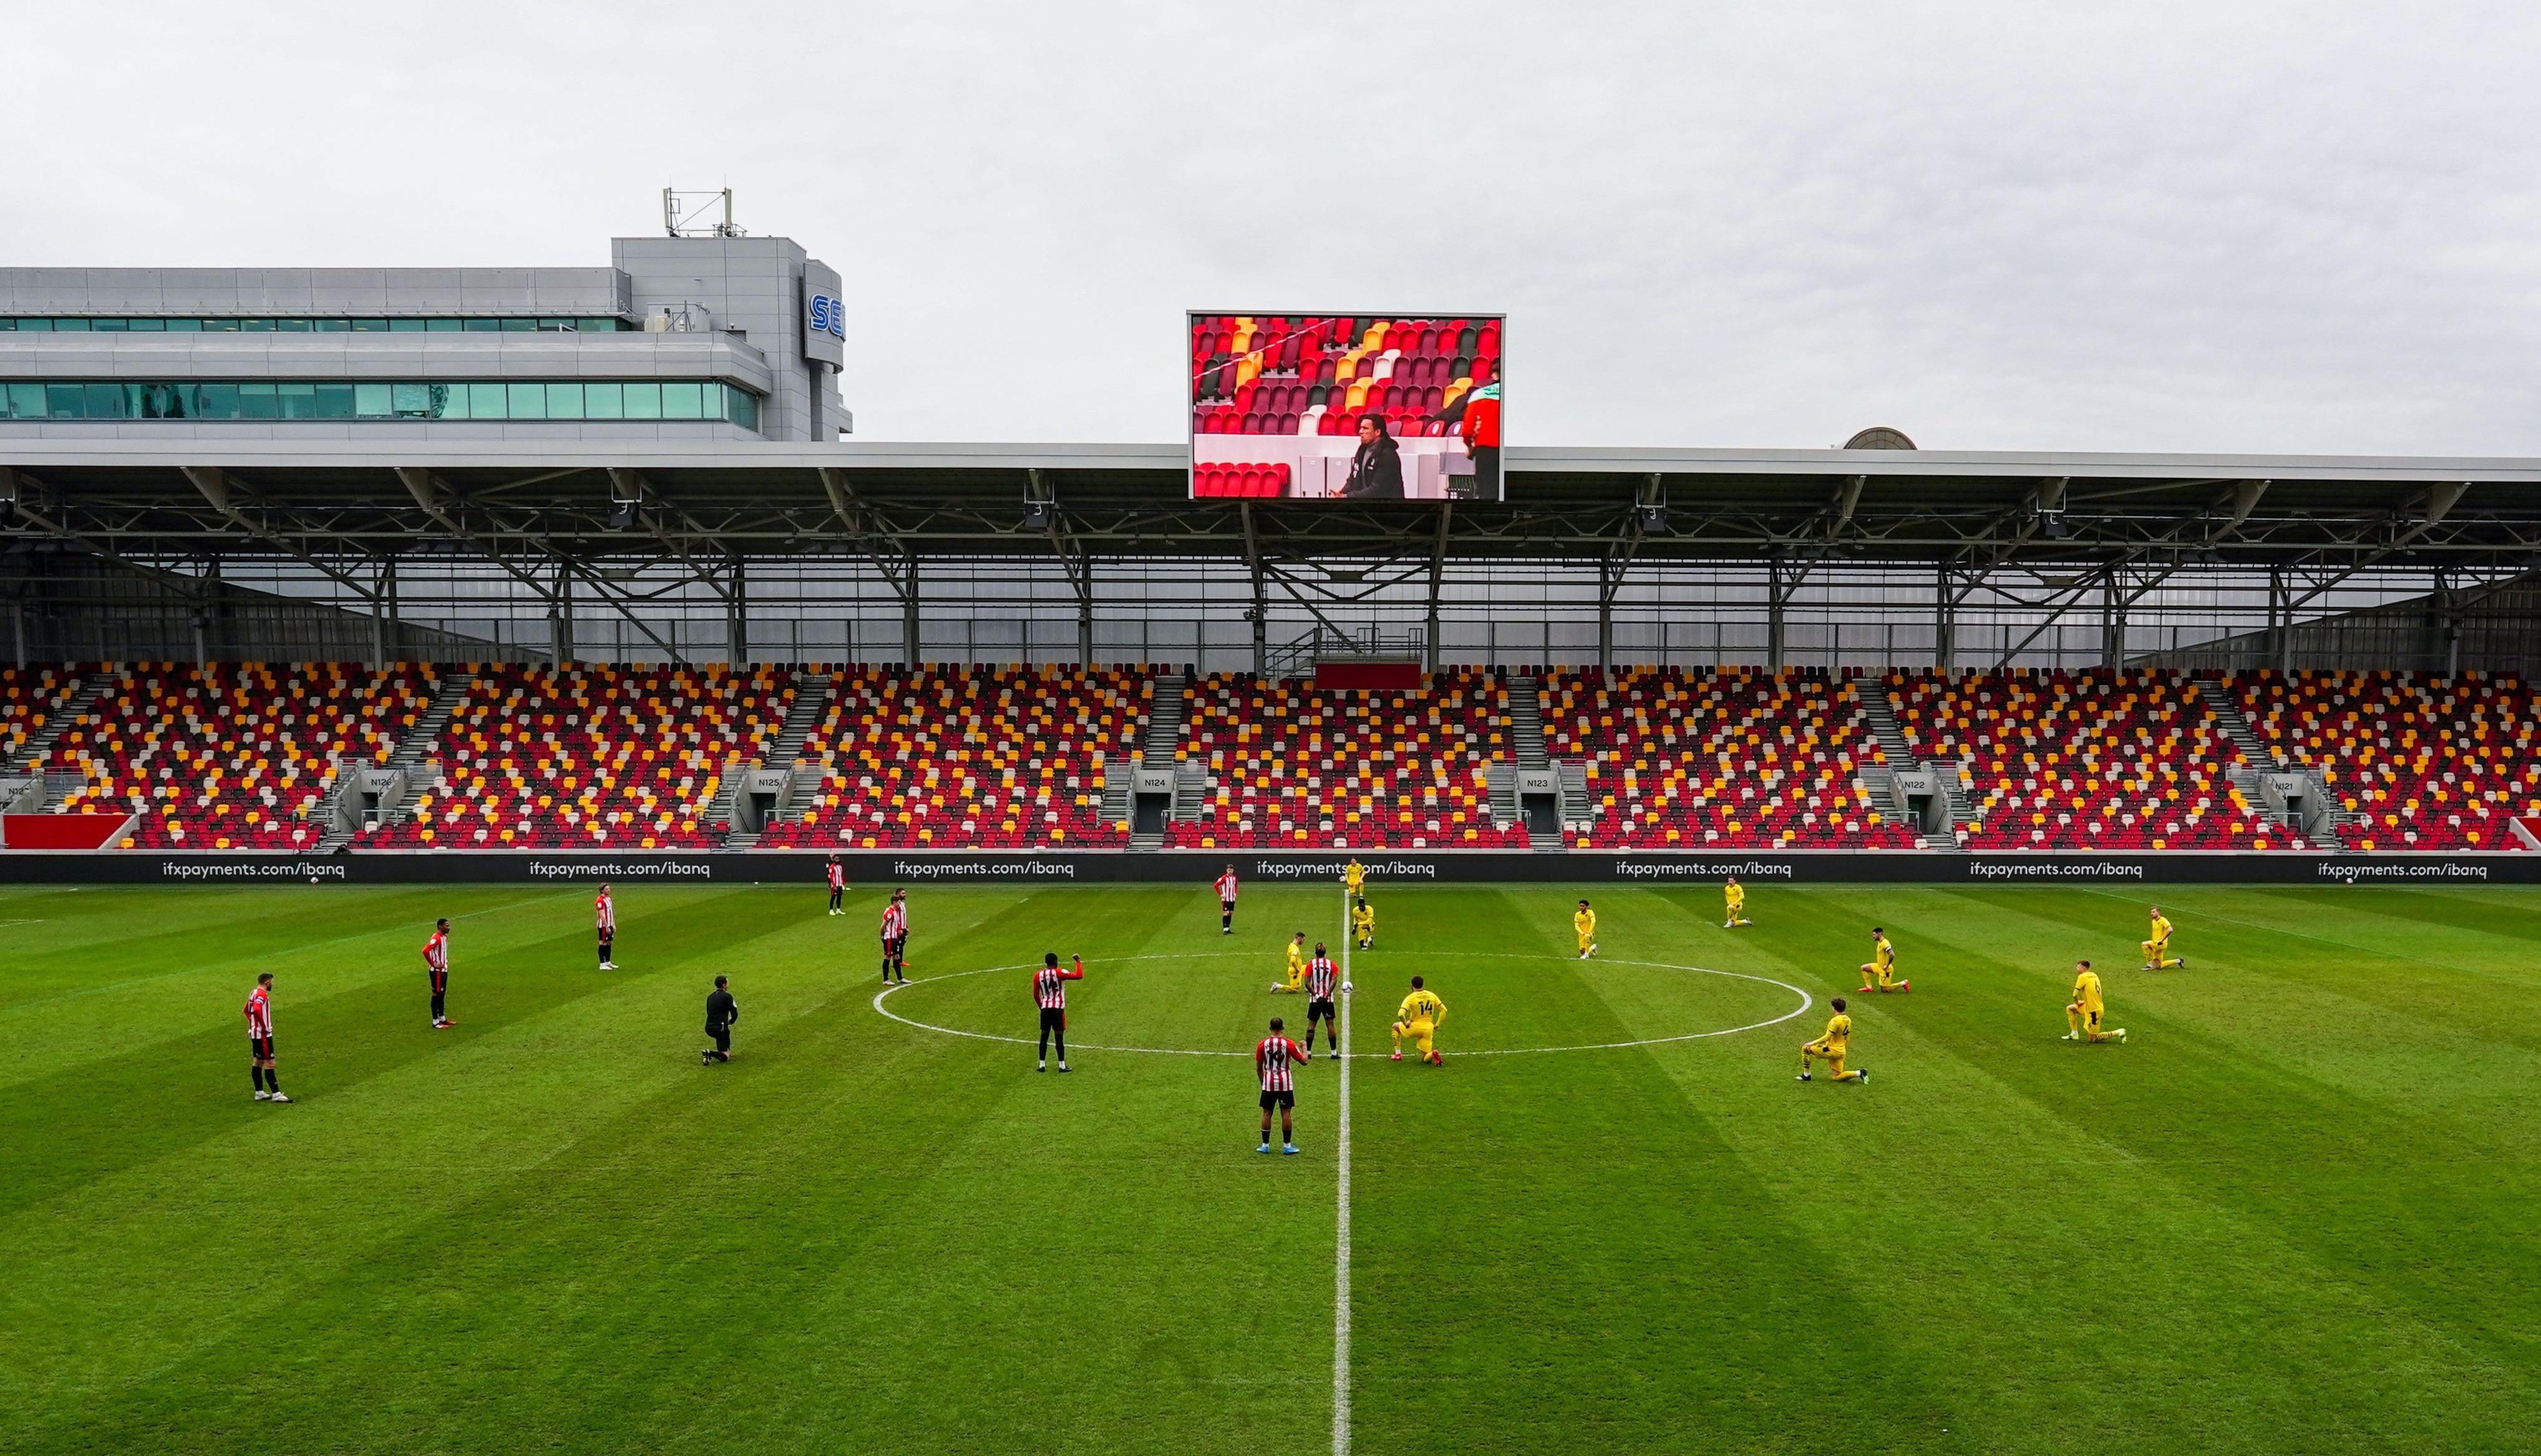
(1585, 922)
(1354, 879)
(1830, 1047)
(1296, 966)
(1879, 972)
(2156, 951)
(1736, 896)
(1420, 1018)
(2086, 1018)
(1364, 923)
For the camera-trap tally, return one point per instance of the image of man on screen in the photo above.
(1376, 470)
(1481, 428)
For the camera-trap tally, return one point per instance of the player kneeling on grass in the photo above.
(2084, 1017)
(1830, 1048)
(1364, 923)
(1296, 970)
(1735, 896)
(1879, 972)
(1420, 1018)
(1050, 994)
(722, 1011)
(1275, 1060)
(1584, 922)
(2156, 951)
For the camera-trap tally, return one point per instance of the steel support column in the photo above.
(1945, 623)
(908, 615)
(2113, 617)
(737, 613)
(1438, 568)
(561, 613)
(1777, 594)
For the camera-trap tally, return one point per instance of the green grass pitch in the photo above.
(2296, 1212)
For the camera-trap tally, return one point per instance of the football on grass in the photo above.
(1346, 987)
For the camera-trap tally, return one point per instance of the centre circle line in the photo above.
(1806, 1001)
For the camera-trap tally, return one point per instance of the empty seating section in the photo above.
(2095, 760)
(1733, 759)
(29, 698)
(1297, 768)
(594, 756)
(970, 758)
(2426, 763)
(1316, 375)
(1240, 480)
(235, 755)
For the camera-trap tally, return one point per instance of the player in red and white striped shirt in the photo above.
(258, 1011)
(1321, 973)
(1050, 994)
(1226, 902)
(436, 964)
(604, 913)
(1274, 1061)
(837, 885)
(894, 939)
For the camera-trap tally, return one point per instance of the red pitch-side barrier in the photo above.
(60, 830)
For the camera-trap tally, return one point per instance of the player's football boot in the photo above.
(278, 1097)
(1861, 1076)
(1286, 1147)
(1062, 1067)
(1398, 1054)
(1263, 1148)
(262, 1095)
(1804, 1076)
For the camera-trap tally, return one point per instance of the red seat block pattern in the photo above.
(31, 697)
(233, 755)
(1240, 480)
(2432, 763)
(2095, 760)
(1735, 758)
(1297, 768)
(593, 756)
(971, 758)
(1317, 376)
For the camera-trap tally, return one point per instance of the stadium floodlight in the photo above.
(1654, 519)
(622, 502)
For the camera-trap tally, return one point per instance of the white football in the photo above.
(1346, 987)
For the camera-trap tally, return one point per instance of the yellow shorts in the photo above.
(1421, 1032)
(1834, 1054)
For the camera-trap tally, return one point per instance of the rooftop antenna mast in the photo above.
(692, 214)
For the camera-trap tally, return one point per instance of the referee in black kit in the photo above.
(722, 1011)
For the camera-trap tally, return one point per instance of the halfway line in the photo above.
(1341, 1236)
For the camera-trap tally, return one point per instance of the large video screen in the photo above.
(1345, 406)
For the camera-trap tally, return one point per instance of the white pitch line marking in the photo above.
(1342, 1220)
(1806, 1001)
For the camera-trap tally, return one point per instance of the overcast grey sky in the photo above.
(2267, 226)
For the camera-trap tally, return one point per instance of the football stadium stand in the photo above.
(1740, 759)
(1297, 766)
(247, 756)
(592, 756)
(968, 759)
(2419, 762)
(2092, 759)
(232, 756)
(1315, 376)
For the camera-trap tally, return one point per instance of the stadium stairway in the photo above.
(82, 701)
(1526, 745)
(1159, 749)
(1881, 779)
(2261, 760)
(810, 706)
(409, 760)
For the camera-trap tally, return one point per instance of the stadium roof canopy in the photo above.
(363, 497)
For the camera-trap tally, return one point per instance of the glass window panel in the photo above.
(25, 401)
(70, 325)
(256, 401)
(446, 401)
(221, 326)
(334, 402)
(519, 326)
(291, 326)
(643, 402)
(485, 402)
(684, 401)
(370, 401)
(185, 326)
(146, 325)
(441, 325)
(408, 401)
(528, 401)
(745, 408)
(106, 325)
(299, 401)
(564, 402)
(369, 325)
(596, 326)
(164, 400)
(256, 325)
(216, 402)
(406, 325)
(34, 326)
(8, 325)
(64, 401)
(481, 326)
(105, 401)
(556, 325)
(603, 401)
(331, 326)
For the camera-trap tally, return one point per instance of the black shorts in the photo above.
(1226, 907)
(607, 936)
(1053, 1018)
(892, 944)
(1319, 1008)
(722, 1037)
(259, 1048)
(1271, 1100)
